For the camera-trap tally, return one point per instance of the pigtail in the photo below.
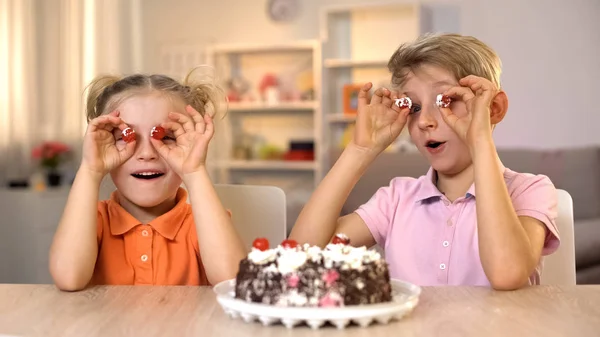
(202, 93)
(96, 95)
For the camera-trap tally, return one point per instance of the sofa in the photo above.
(576, 170)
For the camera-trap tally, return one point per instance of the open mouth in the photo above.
(147, 175)
(433, 144)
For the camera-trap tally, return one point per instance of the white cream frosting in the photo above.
(261, 257)
(290, 260)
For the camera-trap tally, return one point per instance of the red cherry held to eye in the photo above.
(158, 132)
(443, 100)
(261, 244)
(128, 135)
(289, 244)
(340, 238)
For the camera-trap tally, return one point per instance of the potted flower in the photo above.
(50, 155)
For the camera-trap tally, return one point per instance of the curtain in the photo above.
(49, 52)
(18, 86)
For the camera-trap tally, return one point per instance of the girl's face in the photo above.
(442, 147)
(146, 179)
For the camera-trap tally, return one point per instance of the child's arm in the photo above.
(221, 249)
(509, 246)
(378, 124)
(75, 245)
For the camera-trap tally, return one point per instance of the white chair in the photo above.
(257, 211)
(559, 267)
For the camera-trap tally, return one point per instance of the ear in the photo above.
(498, 107)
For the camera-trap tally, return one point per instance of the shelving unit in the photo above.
(267, 122)
(357, 41)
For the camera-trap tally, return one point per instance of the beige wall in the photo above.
(550, 53)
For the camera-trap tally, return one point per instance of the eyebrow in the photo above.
(442, 83)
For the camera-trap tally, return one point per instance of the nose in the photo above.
(145, 150)
(428, 117)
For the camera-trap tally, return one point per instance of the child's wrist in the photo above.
(90, 173)
(198, 174)
(482, 147)
(366, 153)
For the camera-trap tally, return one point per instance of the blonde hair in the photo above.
(460, 55)
(105, 92)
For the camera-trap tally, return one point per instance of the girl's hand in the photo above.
(102, 149)
(184, 142)
(379, 122)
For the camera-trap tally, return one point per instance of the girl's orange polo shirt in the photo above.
(162, 252)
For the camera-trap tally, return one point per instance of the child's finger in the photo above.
(379, 94)
(185, 120)
(210, 126)
(127, 152)
(387, 101)
(106, 122)
(363, 95)
(196, 116)
(449, 117)
(174, 127)
(162, 148)
(463, 93)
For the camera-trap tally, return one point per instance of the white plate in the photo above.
(405, 297)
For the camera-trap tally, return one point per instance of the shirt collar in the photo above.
(166, 225)
(428, 188)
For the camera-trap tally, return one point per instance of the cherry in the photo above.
(443, 101)
(261, 244)
(158, 132)
(289, 244)
(128, 135)
(340, 238)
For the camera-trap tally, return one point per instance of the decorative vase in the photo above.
(53, 178)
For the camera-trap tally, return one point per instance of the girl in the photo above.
(150, 133)
(469, 220)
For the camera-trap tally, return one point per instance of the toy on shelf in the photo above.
(301, 150)
(269, 89)
(238, 90)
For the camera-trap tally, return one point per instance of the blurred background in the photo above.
(290, 69)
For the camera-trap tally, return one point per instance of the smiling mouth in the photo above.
(147, 176)
(433, 144)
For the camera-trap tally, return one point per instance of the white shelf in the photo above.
(279, 165)
(341, 118)
(346, 63)
(283, 106)
(293, 46)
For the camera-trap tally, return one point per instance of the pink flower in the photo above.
(330, 277)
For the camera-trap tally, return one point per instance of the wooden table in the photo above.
(42, 310)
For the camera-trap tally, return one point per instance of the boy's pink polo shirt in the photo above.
(429, 240)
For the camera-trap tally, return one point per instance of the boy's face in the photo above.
(442, 147)
(146, 179)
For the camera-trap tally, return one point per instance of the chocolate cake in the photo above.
(292, 275)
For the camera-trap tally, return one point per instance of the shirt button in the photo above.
(144, 233)
(449, 222)
(442, 266)
(445, 243)
(144, 258)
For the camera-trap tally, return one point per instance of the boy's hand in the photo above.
(192, 133)
(379, 122)
(103, 152)
(477, 93)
